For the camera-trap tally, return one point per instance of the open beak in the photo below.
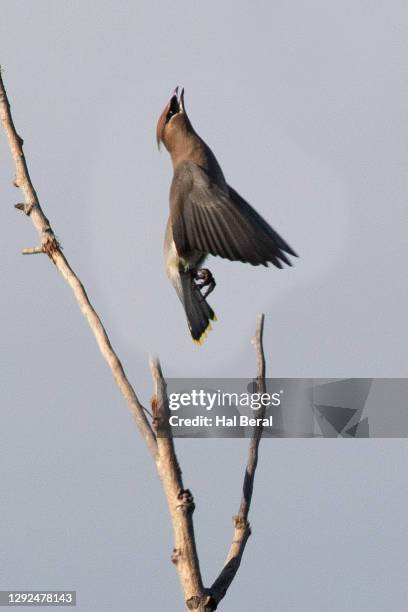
(177, 100)
(176, 105)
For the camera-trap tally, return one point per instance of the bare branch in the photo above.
(242, 529)
(180, 501)
(257, 433)
(33, 251)
(50, 246)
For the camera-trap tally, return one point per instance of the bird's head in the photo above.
(173, 122)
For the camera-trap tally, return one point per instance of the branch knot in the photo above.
(175, 555)
(187, 500)
(240, 522)
(203, 603)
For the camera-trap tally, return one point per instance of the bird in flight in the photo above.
(207, 217)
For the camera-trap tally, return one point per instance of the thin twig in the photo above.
(242, 529)
(38, 250)
(49, 245)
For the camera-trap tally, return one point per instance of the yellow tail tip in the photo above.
(199, 341)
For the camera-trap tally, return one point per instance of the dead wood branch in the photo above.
(242, 529)
(50, 246)
(180, 500)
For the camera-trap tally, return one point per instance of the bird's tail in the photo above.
(199, 314)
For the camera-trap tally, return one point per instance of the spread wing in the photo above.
(205, 218)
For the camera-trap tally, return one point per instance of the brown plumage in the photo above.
(207, 217)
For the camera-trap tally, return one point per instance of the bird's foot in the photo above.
(204, 278)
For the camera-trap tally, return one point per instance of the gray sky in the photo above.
(305, 106)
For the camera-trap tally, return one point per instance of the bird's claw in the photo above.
(204, 278)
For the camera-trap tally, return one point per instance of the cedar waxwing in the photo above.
(207, 217)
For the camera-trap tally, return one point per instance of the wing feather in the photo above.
(207, 219)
